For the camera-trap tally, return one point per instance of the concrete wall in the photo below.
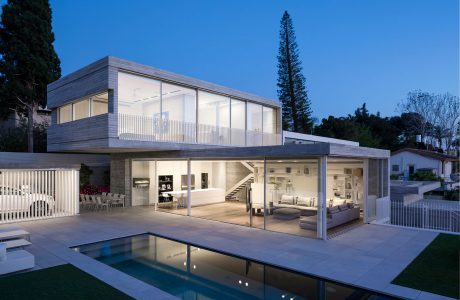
(235, 171)
(120, 178)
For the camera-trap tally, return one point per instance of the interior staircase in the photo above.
(232, 192)
(245, 182)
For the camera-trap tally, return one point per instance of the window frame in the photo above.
(89, 99)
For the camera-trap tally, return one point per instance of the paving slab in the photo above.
(369, 256)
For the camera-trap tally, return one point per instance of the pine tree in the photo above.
(28, 60)
(291, 83)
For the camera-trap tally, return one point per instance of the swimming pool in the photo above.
(190, 272)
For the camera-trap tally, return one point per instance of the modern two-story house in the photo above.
(190, 147)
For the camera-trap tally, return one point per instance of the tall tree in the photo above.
(291, 83)
(28, 59)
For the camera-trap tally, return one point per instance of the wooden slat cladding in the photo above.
(20, 160)
(88, 84)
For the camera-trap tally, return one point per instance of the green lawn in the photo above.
(61, 282)
(436, 269)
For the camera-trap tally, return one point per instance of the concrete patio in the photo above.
(369, 256)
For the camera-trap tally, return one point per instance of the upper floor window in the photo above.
(83, 108)
(395, 168)
(213, 110)
(138, 95)
(100, 104)
(65, 113)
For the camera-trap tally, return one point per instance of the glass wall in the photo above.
(171, 192)
(222, 191)
(344, 193)
(238, 122)
(65, 113)
(254, 124)
(292, 192)
(154, 110)
(138, 95)
(81, 109)
(178, 103)
(213, 118)
(178, 110)
(84, 108)
(100, 104)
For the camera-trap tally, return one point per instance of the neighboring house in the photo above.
(407, 161)
(190, 147)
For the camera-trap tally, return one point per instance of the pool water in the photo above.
(190, 272)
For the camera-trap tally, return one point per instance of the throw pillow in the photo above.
(287, 199)
(303, 201)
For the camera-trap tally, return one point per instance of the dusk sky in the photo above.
(352, 51)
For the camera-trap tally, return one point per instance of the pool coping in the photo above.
(377, 293)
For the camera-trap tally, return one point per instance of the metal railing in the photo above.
(38, 194)
(144, 128)
(440, 215)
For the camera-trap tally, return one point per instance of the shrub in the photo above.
(89, 190)
(425, 176)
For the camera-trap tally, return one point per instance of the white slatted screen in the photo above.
(38, 194)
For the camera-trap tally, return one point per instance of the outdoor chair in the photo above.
(102, 204)
(118, 200)
(122, 200)
(94, 202)
(89, 202)
(82, 201)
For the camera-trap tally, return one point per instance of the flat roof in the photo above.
(280, 151)
(144, 70)
(316, 138)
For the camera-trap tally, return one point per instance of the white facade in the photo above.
(404, 162)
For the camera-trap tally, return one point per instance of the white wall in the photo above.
(146, 169)
(404, 159)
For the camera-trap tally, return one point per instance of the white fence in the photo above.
(440, 215)
(383, 210)
(144, 128)
(38, 194)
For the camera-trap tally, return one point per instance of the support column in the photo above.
(365, 188)
(322, 227)
(265, 191)
(189, 184)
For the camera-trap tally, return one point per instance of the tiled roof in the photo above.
(427, 153)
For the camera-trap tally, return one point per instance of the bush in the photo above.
(85, 175)
(89, 190)
(453, 195)
(425, 176)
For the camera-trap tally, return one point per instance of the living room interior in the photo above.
(232, 191)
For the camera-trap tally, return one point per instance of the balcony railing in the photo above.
(144, 128)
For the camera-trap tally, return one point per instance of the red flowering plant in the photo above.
(88, 190)
(103, 189)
